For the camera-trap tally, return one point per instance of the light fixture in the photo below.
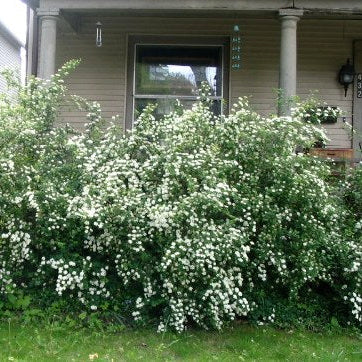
(99, 34)
(346, 75)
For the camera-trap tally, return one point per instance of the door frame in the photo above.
(357, 101)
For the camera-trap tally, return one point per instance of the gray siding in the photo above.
(323, 46)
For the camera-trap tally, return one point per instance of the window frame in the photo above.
(222, 42)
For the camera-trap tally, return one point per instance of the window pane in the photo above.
(177, 70)
(165, 106)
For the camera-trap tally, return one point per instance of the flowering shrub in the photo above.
(352, 192)
(190, 219)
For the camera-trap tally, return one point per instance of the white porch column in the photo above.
(48, 38)
(288, 58)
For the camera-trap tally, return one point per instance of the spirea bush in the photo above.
(190, 219)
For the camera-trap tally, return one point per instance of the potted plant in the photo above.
(316, 112)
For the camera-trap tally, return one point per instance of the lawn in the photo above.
(238, 342)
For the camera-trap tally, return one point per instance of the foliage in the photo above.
(353, 192)
(193, 219)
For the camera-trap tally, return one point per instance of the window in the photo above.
(164, 69)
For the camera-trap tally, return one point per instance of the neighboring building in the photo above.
(10, 54)
(159, 50)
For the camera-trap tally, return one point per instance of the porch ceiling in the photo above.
(257, 14)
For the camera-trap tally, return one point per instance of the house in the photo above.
(139, 51)
(10, 54)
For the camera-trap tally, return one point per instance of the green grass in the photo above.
(237, 343)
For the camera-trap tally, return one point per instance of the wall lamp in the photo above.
(99, 34)
(346, 75)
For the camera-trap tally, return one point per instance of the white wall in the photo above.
(9, 58)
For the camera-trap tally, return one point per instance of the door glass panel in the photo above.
(167, 105)
(177, 70)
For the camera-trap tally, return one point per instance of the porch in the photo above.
(296, 49)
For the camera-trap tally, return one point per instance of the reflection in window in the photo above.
(166, 73)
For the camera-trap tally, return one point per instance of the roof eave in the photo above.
(31, 3)
(10, 36)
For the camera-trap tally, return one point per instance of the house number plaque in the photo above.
(236, 49)
(359, 85)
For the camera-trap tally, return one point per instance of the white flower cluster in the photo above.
(18, 239)
(356, 300)
(267, 319)
(82, 279)
(5, 279)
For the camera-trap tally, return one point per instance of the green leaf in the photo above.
(82, 316)
(334, 322)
